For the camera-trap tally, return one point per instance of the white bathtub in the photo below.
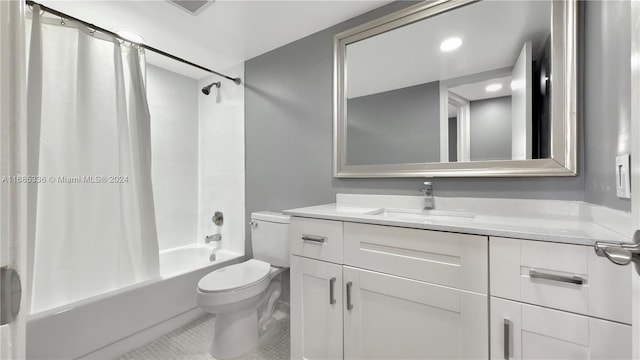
(107, 325)
(183, 259)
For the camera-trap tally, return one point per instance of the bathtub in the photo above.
(184, 259)
(107, 325)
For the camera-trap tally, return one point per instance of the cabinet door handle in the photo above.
(332, 298)
(507, 338)
(314, 238)
(349, 304)
(561, 278)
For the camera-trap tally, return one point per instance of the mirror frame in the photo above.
(563, 161)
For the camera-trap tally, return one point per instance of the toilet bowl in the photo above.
(243, 296)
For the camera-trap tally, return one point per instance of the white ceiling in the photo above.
(493, 33)
(477, 90)
(222, 35)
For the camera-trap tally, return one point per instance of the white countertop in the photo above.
(564, 227)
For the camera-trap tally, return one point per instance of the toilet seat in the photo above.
(234, 286)
(235, 277)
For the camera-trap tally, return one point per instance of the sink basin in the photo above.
(424, 215)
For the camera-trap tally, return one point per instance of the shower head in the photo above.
(207, 89)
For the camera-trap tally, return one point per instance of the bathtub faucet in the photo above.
(218, 220)
(214, 237)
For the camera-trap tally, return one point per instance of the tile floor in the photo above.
(192, 341)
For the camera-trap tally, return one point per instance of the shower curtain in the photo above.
(88, 115)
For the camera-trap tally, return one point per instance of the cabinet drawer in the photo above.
(454, 260)
(560, 276)
(317, 239)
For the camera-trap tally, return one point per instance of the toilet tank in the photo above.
(269, 237)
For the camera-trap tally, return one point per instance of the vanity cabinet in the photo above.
(394, 293)
(363, 291)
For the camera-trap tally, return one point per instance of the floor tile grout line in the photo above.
(192, 342)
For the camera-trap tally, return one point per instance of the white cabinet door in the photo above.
(533, 332)
(316, 309)
(389, 317)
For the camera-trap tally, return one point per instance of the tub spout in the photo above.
(214, 237)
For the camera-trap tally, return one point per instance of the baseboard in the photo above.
(145, 336)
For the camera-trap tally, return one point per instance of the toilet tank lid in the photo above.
(271, 216)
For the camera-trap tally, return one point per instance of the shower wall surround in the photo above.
(288, 116)
(221, 159)
(173, 104)
(198, 157)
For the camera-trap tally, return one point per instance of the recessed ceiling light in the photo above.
(450, 44)
(130, 36)
(493, 87)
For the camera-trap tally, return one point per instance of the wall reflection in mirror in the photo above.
(472, 84)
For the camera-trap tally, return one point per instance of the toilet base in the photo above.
(235, 334)
(240, 326)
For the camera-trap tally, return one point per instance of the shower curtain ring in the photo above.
(62, 21)
(92, 31)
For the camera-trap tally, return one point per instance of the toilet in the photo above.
(243, 296)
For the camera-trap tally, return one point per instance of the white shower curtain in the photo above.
(88, 113)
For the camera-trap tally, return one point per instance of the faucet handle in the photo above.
(218, 218)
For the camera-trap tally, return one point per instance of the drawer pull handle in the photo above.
(507, 339)
(561, 278)
(332, 298)
(314, 238)
(349, 304)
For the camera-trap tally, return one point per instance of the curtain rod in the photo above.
(237, 81)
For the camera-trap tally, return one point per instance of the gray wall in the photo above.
(395, 127)
(288, 129)
(490, 129)
(607, 107)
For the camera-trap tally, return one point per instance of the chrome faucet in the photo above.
(214, 237)
(218, 220)
(427, 190)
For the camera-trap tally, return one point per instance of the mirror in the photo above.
(458, 88)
